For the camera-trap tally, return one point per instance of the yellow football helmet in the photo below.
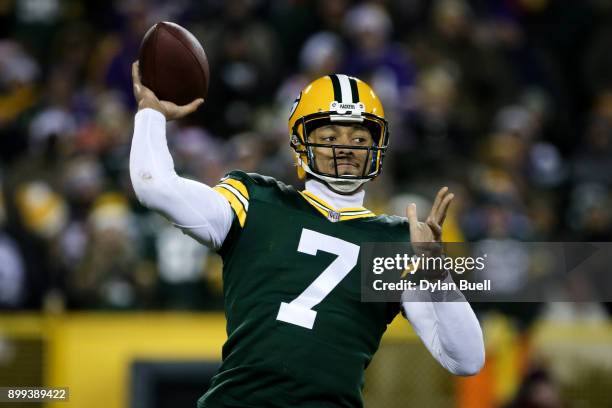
(338, 99)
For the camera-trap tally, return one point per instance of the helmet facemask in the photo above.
(370, 162)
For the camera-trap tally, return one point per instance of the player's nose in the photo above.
(344, 151)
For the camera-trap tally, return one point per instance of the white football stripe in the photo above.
(237, 193)
(356, 212)
(317, 204)
(345, 89)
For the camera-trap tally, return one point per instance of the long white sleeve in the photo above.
(450, 331)
(194, 207)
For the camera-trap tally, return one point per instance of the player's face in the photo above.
(350, 161)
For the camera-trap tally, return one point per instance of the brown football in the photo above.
(173, 64)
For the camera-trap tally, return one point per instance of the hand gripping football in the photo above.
(173, 64)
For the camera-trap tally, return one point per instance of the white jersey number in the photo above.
(299, 311)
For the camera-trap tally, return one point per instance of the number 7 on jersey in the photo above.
(299, 310)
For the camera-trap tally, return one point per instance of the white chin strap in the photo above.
(339, 184)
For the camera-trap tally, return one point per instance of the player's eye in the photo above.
(328, 138)
(360, 139)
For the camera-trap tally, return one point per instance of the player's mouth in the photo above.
(347, 168)
(347, 164)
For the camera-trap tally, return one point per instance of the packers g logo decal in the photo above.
(295, 105)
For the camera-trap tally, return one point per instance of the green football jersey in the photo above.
(298, 333)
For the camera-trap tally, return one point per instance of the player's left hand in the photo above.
(431, 229)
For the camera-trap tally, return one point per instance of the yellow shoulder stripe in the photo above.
(240, 208)
(351, 209)
(319, 207)
(238, 185)
(343, 214)
(316, 199)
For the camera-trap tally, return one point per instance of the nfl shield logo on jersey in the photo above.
(333, 216)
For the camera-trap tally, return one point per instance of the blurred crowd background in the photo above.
(508, 102)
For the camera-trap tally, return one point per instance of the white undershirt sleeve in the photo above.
(450, 331)
(196, 208)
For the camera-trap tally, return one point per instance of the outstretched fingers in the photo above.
(193, 105)
(136, 79)
(437, 215)
(435, 227)
(135, 73)
(411, 214)
(176, 111)
(438, 200)
(444, 208)
(440, 206)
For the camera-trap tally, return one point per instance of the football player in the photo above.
(298, 334)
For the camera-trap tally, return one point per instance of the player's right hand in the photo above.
(431, 229)
(147, 99)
